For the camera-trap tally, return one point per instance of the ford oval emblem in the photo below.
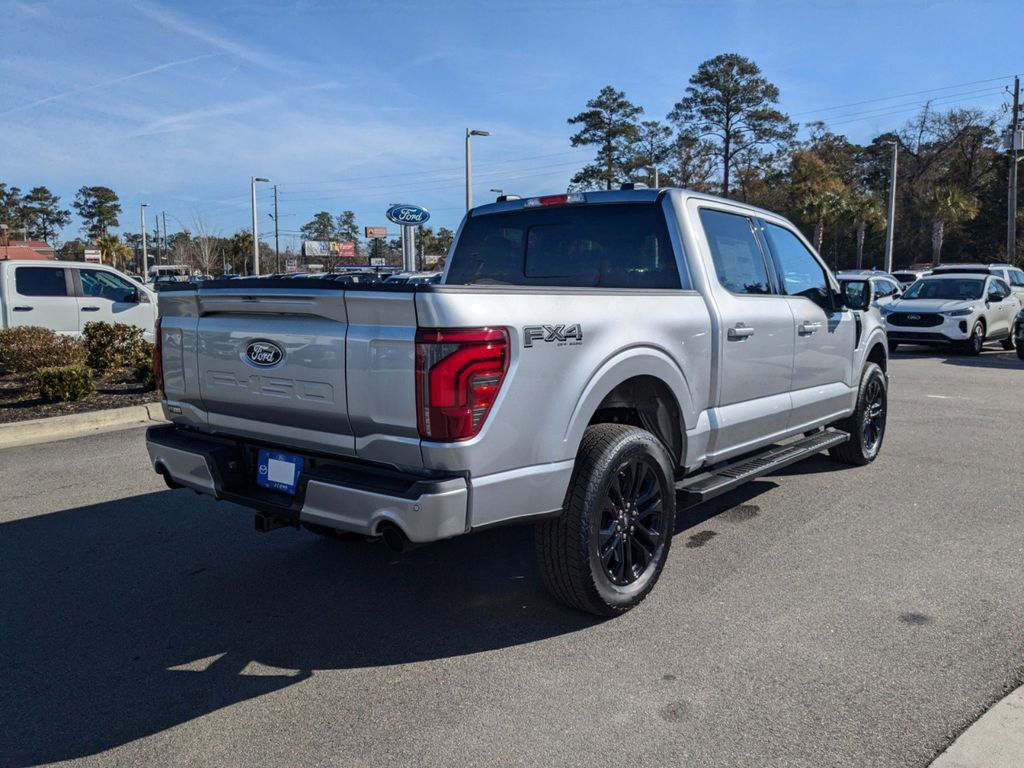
(913, 317)
(408, 215)
(263, 353)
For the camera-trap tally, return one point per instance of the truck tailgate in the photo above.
(271, 365)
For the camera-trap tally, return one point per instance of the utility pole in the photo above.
(164, 214)
(1011, 198)
(145, 257)
(890, 224)
(277, 240)
(255, 228)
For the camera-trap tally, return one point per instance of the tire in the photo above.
(592, 557)
(866, 425)
(1020, 350)
(893, 346)
(1010, 341)
(976, 341)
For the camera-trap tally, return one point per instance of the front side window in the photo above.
(101, 284)
(737, 257)
(802, 275)
(998, 290)
(40, 281)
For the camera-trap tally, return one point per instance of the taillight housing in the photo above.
(158, 360)
(459, 372)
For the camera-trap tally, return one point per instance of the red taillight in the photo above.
(572, 197)
(158, 360)
(459, 372)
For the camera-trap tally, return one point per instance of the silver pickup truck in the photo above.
(589, 362)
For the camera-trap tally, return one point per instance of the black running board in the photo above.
(724, 479)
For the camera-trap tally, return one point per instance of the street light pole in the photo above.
(469, 165)
(1011, 197)
(890, 224)
(145, 256)
(277, 236)
(255, 228)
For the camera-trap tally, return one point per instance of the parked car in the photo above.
(361, 277)
(1011, 275)
(907, 277)
(959, 309)
(414, 278)
(1018, 336)
(65, 295)
(634, 344)
(884, 288)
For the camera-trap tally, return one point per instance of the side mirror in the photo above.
(856, 294)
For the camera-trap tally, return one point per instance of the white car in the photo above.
(65, 295)
(963, 310)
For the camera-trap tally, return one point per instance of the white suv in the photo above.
(959, 309)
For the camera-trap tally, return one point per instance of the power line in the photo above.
(900, 96)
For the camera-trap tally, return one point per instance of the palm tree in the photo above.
(820, 195)
(111, 248)
(867, 211)
(949, 207)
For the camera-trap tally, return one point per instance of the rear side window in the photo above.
(40, 281)
(580, 246)
(735, 253)
(801, 273)
(884, 288)
(1016, 278)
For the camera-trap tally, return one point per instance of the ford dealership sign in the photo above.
(408, 215)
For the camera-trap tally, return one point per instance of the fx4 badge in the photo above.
(561, 335)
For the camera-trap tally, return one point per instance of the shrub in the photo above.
(114, 346)
(28, 348)
(143, 372)
(64, 383)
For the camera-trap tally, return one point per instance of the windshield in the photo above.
(966, 289)
(610, 246)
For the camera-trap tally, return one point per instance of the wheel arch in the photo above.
(641, 386)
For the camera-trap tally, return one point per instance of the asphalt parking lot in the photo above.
(821, 616)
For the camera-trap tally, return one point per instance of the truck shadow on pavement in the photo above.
(126, 618)
(991, 357)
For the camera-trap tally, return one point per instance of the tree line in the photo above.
(727, 136)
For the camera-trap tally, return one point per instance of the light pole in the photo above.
(255, 232)
(498, 191)
(469, 165)
(890, 224)
(657, 178)
(145, 256)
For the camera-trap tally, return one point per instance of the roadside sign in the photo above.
(408, 215)
(93, 256)
(374, 232)
(378, 261)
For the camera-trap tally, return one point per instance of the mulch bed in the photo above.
(19, 401)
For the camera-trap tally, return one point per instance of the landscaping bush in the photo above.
(143, 371)
(112, 346)
(64, 383)
(28, 348)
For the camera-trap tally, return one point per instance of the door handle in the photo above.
(90, 309)
(22, 309)
(740, 331)
(807, 327)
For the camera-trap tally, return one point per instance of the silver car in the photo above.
(964, 310)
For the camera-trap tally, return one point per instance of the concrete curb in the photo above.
(78, 424)
(995, 740)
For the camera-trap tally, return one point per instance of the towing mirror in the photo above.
(856, 294)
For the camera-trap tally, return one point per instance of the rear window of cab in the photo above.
(622, 245)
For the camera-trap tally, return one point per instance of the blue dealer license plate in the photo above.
(279, 471)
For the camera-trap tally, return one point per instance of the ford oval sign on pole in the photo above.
(408, 215)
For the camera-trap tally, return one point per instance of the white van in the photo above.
(65, 295)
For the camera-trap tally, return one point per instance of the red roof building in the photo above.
(25, 249)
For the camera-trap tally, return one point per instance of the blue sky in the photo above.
(357, 105)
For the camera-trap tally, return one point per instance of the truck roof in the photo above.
(641, 195)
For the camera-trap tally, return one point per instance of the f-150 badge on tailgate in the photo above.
(562, 335)
(263, 353)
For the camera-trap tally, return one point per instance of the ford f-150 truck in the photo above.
(587, 362)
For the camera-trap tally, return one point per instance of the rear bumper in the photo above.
(347, 496)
